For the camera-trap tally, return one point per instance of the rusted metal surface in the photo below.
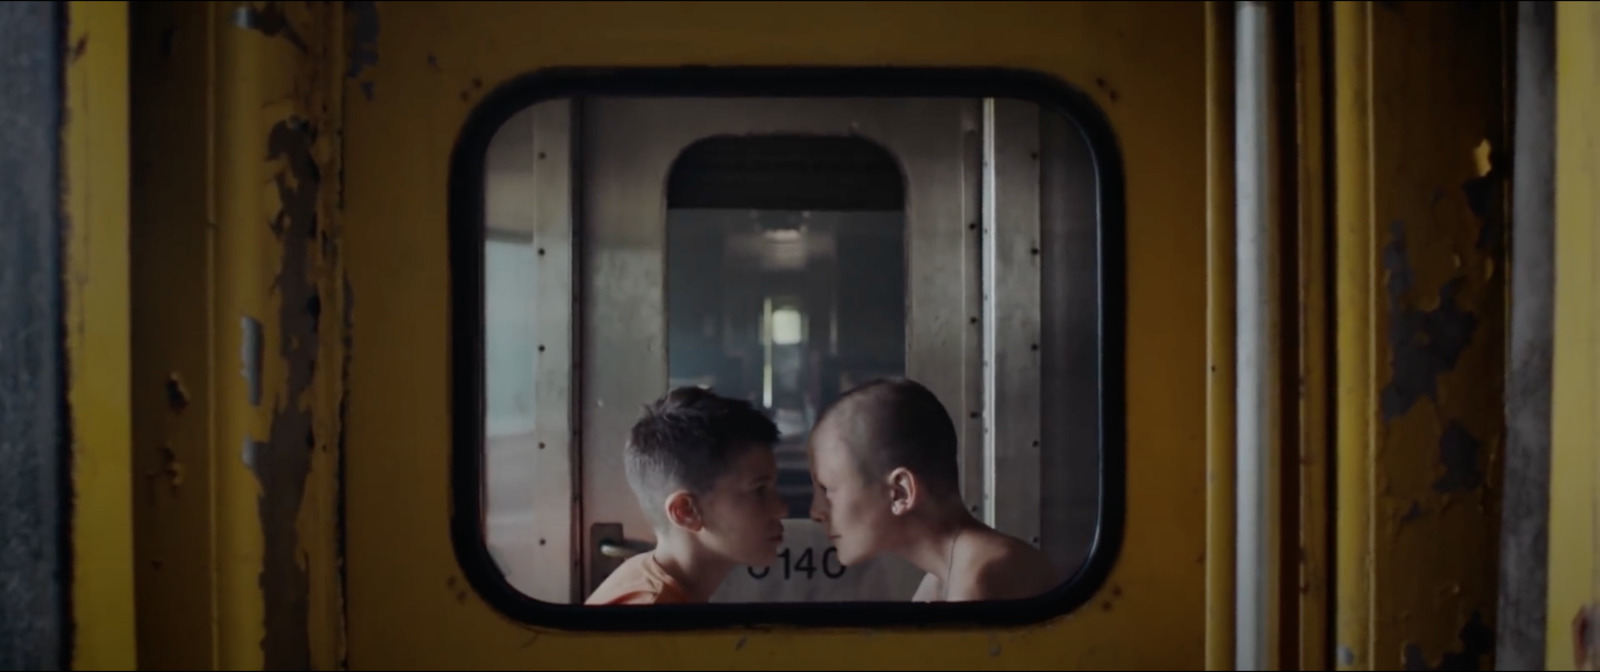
(1420, 127)
(1439, 207)
(296, 465)
(263, 302)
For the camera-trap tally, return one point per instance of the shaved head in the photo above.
(893, 423)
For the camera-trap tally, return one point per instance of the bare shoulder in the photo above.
(1001, 567)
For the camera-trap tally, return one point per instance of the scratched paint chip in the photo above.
(250, 357)
(248, 453)
(1481, 157)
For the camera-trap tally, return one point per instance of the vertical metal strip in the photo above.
(1220, 437)
(1257, 341)
(1525, 509)
(1354, 281)
(553, 227)
(95, 151)
(973, 444)
(987, 296)
(1314, 356)
(1574, 556)
(530, 196)
(1011, 316)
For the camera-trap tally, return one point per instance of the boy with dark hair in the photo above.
(703, 469)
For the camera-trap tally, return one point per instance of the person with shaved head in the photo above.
(887, 479)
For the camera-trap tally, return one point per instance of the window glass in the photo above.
(785, 252)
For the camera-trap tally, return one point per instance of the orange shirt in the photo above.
(640, 580)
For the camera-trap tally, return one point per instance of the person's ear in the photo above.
(902, 491)
(682, 512)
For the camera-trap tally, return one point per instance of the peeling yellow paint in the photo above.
(218, 549)
(1435, 326)
(1480, 156)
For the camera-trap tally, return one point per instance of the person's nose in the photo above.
(819, 505)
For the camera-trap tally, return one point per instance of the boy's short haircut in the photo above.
(687, 440)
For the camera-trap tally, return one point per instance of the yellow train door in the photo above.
(403, 272)
(548, 221)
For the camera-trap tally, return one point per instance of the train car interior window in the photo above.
(783, 251)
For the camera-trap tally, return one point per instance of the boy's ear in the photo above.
(682, 512)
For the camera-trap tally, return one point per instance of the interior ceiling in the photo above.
(770, 189)
(786, 172)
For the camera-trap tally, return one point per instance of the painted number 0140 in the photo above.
(805, 563)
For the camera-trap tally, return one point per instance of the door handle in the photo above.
(608, 548)
(623, 548)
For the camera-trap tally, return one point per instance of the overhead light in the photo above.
(786, 326)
